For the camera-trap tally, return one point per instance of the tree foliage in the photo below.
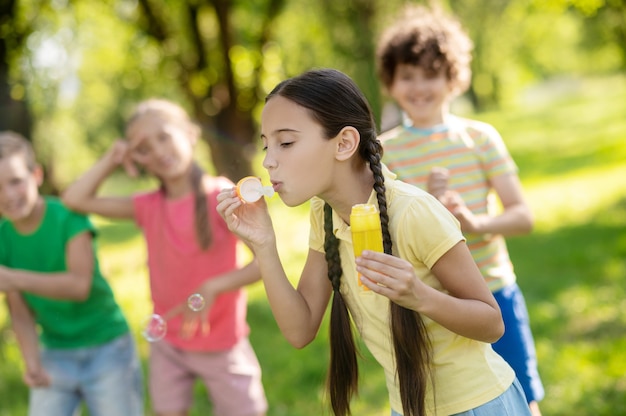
(213, 49)
(79, 66)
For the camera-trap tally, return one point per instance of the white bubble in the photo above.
(154, 328)
(195, 302)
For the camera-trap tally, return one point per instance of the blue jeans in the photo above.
(517, 345)
(107, 377)
(510, 403)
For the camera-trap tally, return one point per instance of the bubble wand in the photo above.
(250, 189)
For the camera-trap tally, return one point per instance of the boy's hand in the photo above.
(470, 223)
(437, 183)
(36, 376)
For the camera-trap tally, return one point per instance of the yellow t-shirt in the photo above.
(466, 373)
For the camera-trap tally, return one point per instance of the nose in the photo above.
(269, 161)
(417, 86)
(161, 151)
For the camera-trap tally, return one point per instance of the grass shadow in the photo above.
(548, 263)
(573, 282)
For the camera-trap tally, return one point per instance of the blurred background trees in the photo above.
(72, 70)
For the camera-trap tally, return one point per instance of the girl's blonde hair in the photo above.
(174, 113)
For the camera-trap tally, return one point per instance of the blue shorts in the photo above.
(106, 377)
(510, 403)
(517, 346)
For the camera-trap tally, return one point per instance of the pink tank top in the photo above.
(177, 265)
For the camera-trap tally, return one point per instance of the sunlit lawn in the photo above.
(571, 151)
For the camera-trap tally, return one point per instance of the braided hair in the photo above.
(335, 102)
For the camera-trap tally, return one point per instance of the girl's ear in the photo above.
(348, 141)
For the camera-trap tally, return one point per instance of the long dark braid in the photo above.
(343, 374)
(335, 101)
(412, 348)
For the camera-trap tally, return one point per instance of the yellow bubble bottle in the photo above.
(366, 231)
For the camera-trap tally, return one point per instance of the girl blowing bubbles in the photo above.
(428, 317)
(189, 251)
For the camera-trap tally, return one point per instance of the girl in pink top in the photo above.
(190, 250)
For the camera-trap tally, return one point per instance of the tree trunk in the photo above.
(231, 139)
(14, 113)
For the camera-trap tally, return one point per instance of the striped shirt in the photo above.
(473, 152)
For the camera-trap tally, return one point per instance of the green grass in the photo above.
(571, 151)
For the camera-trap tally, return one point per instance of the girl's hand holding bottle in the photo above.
(393, 278)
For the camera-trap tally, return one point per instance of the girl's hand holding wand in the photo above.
(251, 222)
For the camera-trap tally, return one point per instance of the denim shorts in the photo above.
(510, 403)
(517, 346)
(107, 378)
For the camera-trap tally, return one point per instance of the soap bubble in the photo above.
(154, 328)
(195, 302)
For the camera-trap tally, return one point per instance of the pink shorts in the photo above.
(232, 379)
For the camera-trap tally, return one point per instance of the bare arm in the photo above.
(25, 330)
(198, 319)
(225, 282)
(298, 312)
(515, 218)
(234, 279)
(468, 309)
(74, 284)
(82, 195)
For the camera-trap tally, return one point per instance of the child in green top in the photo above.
(52, 279)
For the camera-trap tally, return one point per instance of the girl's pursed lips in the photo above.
(276, 185)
